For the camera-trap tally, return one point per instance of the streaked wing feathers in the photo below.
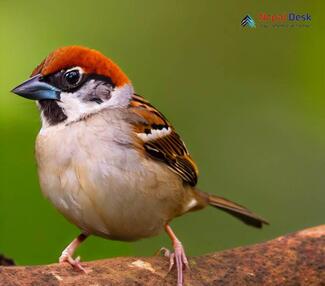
(161, 142)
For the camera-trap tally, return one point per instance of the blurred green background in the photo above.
(249, 103)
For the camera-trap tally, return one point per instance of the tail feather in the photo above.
(235, 210)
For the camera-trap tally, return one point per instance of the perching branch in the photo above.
(294, 259)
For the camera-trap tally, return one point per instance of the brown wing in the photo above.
(160, 141)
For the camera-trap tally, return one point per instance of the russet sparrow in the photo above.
(107, 159)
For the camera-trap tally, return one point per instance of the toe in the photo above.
(171, 261)
(163, 251)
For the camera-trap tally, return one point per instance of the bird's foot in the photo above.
(177, 257)
(75, 263)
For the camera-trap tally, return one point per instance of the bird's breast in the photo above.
(92, 175)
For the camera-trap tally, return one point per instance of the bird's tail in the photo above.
(235, 210)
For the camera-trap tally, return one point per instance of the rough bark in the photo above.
(290, 260)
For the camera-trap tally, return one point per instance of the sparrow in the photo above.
(108, 160)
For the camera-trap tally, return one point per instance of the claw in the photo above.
(163, 251)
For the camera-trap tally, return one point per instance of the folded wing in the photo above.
(160, 141)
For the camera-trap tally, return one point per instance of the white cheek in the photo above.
(72, 106)
(120, 96)
(75, 108)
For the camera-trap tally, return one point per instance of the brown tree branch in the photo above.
(294, 259)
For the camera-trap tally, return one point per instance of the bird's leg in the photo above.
(68, 252)
(178, 256)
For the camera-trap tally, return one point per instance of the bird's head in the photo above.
(73, 82)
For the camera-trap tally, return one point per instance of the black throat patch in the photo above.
(52, 111)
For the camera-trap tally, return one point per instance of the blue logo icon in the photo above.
(248, 21)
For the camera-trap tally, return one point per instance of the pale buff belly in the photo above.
(110, 191)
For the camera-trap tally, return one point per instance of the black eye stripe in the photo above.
(56, 80)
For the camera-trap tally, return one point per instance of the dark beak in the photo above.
(35, 88)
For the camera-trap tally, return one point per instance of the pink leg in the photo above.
(178, 256)
(68, 252)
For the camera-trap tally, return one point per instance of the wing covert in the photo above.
(161, 142)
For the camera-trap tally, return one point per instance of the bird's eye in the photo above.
(72, 77)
